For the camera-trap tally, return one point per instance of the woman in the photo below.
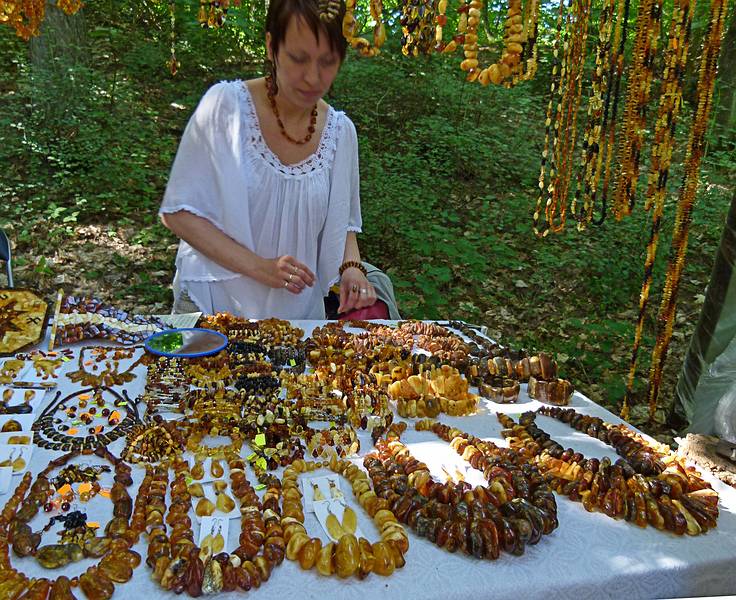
(264, 190)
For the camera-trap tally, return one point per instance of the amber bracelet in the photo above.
(352, 264)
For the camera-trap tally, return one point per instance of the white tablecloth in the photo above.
(588, 556)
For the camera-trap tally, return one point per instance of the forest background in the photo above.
(91, 116)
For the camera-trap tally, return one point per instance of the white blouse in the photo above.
(225, 173)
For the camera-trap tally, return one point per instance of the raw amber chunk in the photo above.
(212, 581)
(55, 556)
(324, 559)
(95, 585)
(62, 590)
(347, 555)
(384, 561)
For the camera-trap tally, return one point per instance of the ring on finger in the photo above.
(286, 284)
(363, 291)
(291, 276)
(354, 288)
(296, 269)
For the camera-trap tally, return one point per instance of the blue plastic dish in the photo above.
(190, 342)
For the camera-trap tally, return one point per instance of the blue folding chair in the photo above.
(5, 255)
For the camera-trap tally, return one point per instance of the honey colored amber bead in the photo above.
(96, 547)
(309, 552)
(38, 591)
(55, 556)
(115, 570)
(205, 508)
(324, 559)
(62, 590)
(225, 503)
(366, 558)
(347, 555)
(384, 562)
(13, 585)
(295, 544)
(95, 585)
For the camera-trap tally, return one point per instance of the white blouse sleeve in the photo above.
(355, 222)
(192, 184)
(208, 179)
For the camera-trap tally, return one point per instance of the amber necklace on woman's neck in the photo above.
(272, 101)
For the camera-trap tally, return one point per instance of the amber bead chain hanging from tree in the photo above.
(641, 73)
(591, 156)
(686, 201)
(569, 90)
(669, 108)
(350, 28)
(550, 141)
(610, 110)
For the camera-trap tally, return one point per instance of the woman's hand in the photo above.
(285, 272)
(355, 291)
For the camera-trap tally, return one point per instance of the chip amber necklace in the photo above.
(275, 109)
(641, 73)
(686, 201)
(669, 105)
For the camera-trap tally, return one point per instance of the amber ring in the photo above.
(355, 288)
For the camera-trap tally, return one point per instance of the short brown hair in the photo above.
(280, 13)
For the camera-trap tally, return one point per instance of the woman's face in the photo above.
(305, 66)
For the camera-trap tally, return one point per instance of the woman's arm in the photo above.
(355, 291)
(201, 234)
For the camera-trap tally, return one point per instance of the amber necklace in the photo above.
(272, 101)
(641, 73)
(669, 103)
(686, 201)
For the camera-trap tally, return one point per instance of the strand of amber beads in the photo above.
(350, 555)
(641, 73)
(591, 156)
(550, 141)
(610, 111)
(686, 200)
(669, 108)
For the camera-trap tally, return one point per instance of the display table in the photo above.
(588, 555)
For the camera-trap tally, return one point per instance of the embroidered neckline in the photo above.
(316, 161)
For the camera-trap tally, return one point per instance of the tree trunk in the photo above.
(54, 53)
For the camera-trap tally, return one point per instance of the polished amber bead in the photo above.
(347, 555)
(324, 560)
(367, 559)
(115, 570)
(384, 562)
(95, 585)
(38, 591)
(308, 553)
(61, 590)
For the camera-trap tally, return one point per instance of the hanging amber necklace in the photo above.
(272, 101)
(614, 90)
(641, 73)
(669, 104)
(588, 174)
(683, 218)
